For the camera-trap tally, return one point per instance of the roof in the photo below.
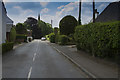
(4, 7)
(9, 21)
(110, 13)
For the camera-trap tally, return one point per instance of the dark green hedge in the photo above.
(63, 39)
(7, 47)
(52, 37)
(67, 25)
(21, 36)
(100, 39)
(12, 34)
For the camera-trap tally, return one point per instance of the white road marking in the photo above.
(34, 57)
(29, 74)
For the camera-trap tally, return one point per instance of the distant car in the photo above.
(43, 39)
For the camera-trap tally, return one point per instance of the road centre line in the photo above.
(29, 74)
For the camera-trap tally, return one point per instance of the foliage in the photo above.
(100, 39)
(45, 28)
(63, 39)
(67, 25)
(12, 34)
(7, 47)
(20, 28)
(56, 30)
(39, 28)
(21, 37)
(52, 37)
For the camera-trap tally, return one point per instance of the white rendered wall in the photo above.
(0, 22)
(3, 25)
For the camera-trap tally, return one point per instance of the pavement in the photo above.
(91, 66)
(38, 59)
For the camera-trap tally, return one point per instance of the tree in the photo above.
(21, 29)
(67, 25)
(32, 24)
(45, 28)
(55, 30)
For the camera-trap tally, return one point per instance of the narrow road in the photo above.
(38, 60)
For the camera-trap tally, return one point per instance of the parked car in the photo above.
(43, 39)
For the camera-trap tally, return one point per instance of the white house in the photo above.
(5, 24)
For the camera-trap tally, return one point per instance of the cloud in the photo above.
(22, 14)
(61, 7)
(43, 4)
(45, 10)
(101, 6)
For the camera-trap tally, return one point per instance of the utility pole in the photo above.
(79, 18)
(93, 11)
(51, 23)
(38, 17)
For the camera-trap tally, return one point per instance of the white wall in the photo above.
(3, 25)
(0, 22)
(0, 39)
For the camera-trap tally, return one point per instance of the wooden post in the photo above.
(79, 18)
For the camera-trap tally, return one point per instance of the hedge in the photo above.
(7, 47)
(67, 25)
(12, 34)
(52, 37)
(100, 39)
(21, 37)
(63, 39)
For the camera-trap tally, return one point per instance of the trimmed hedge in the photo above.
(7, 47)
(52, 37)
(63, 39)
(67, 25)
(21, 37)
(12, 34)
(100, 39)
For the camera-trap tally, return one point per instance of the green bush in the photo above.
(67, 25)
(12, 34)
(7, 47)
(52, 37)
(21, 37)
(100, 39)
(63, 39)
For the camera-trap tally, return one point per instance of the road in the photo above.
(37, 59)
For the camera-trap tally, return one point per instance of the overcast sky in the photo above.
(19, 11)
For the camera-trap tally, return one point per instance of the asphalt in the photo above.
(92, 66)
(38, 59)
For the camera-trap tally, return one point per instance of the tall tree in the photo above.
(79, 18)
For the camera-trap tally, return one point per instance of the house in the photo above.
(9, 24)
(110, 13)
(5, 24)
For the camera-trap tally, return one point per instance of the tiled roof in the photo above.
(110, 13)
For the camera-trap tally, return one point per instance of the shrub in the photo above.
(57, 38)
(100, 39)
(67, 25)
(12, 34)
(52, 37)
(63, 39)
(7, 47)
